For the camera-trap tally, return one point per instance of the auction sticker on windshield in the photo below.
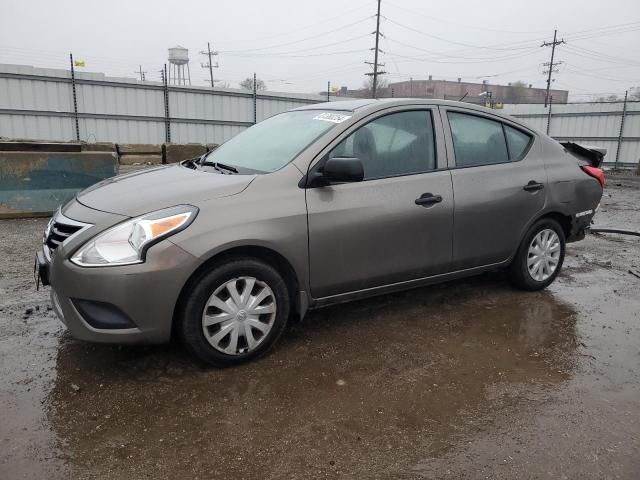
(332, 117)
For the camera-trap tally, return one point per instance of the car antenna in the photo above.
(463, 96)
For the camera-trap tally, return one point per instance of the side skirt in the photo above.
(400, 286)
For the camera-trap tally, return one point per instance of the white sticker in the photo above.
(332, 117)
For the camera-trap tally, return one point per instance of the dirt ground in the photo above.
(470, 379)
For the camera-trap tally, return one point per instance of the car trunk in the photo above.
(592, 155)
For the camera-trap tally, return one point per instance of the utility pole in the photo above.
(209, 64)
(255, 98)
(624, 114)
(376, 72)
(167, 118)
(549, 115)
(141, 73)
(75, 97)
(328, 91)
(551, 64)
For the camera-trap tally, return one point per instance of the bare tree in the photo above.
(247, 84)
(381, 87)
(609, 98)
(517, 92)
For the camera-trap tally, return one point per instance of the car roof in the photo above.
(368, 105)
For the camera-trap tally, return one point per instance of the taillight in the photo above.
(594, 172)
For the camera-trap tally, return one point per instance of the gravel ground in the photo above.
(470, 379)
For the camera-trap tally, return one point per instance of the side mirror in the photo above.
(343, 169)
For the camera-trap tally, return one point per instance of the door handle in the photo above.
(427, 199)
(533, 186)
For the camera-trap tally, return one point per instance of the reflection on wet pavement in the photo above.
(466, 380)
(383, 383)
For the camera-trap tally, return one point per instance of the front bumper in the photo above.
(144, 295)
(118, 304)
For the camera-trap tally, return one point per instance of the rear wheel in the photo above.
(540, 255)
(235, 312)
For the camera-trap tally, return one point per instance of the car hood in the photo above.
(141, 192)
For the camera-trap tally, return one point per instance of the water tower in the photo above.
(178, 60)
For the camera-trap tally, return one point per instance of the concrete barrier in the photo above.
(36, 177)
(36, 183)
(174, 152)
(143, 159)
(139, 149)
(139, 153)
(98, 147)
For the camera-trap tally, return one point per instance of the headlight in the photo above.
(127, 243)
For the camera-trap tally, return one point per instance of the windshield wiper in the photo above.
(219, 166)
(192, 163)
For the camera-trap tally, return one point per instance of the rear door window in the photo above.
(477, 140)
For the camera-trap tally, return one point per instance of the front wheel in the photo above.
(540, 255)
(234, 313)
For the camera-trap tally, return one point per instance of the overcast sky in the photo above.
(298, 46)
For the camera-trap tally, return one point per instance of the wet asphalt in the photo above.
(470, 379)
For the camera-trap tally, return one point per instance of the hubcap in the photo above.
(544, 255)
(239, 315)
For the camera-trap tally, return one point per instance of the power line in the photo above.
(585, 72)
(341, 28)
(551, 65)
(475, 27)
(453, 42)
(525, 69)
(592, 54)
(311, 25)
(325, 54)
(307, 49)
(604, 31)
(480, 60)
(440, 56)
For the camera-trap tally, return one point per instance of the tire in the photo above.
(218, 304)
(552, 250)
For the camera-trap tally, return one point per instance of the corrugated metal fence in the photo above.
(614, 125)
(38, 104)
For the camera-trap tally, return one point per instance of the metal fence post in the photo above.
(167, 121)
(75, 98)
(549, 115)
(328, 91)
(255, 99)
(624, 114)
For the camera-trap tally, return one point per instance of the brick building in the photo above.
(454, 90)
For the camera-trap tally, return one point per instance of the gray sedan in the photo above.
(319, 205)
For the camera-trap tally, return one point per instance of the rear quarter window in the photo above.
(518, 143)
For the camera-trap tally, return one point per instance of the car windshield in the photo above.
(271, 144)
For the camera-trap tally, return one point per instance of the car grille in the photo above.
(59, 233)
(60, 229)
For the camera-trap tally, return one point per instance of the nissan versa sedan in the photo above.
(319, 205)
